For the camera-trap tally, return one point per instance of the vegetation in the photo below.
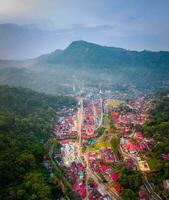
(128, 194)
(101, 130)
(27, 119)
(153, 164)
(59, 173)
(158, 128)
(115, 143)
(131, 180)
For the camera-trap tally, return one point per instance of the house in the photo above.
(143, 165)
(104, 168)
(143, 195)
(115, 176)
(165, 156)
(118, 187)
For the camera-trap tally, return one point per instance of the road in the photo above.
(150, 189)
(89, 173)
(79, 129)
(102, 187)
(79, 124)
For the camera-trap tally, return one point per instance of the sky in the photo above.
(130, 24)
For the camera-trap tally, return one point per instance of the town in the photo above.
(98, 139)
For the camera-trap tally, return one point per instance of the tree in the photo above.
(131, 179)
(27, 120)
(129, 194)
(26, 160)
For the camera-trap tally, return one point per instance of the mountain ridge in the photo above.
(83, 42)
(81, 51)
(90, 65)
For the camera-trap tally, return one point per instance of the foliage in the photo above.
(90, 181)
(153, 164)
(27, 119)
(114, 143)
(129, 194)
(101, 130)
(131, 180)
(158, 128)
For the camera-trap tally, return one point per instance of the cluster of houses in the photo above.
(100, 163)
(125, 122)
(105, 155)
(76, 174)
(132, 142)
(76, 171)
(135, 143)
(66, 127)
(91, 119)
(131, 147)
(140, 104)
(94, 193)
(66, 131)
(109, 157)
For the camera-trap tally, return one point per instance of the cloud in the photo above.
(130, 24)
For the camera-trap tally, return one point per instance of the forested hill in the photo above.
(27, 119)
(94, 55)
(24, 101)
(89, 65)
(158, 128)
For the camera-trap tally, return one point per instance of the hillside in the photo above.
(82, 52)
(158, 128)
(27, 119)
(84, 64)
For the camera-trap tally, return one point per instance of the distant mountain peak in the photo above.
(88, 45)
(80, 53)
(81, 43)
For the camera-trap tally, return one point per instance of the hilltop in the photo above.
(84, 64)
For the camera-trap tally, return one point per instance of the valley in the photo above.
(84, 100)
(100, 143)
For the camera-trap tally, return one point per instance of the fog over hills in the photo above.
(82, 52)
(84, 64)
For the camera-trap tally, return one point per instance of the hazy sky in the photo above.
(131, 24)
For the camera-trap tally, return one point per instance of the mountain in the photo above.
(83, 64)
(82, 52)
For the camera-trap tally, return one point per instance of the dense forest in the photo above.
(158, 128)
(27, 119)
